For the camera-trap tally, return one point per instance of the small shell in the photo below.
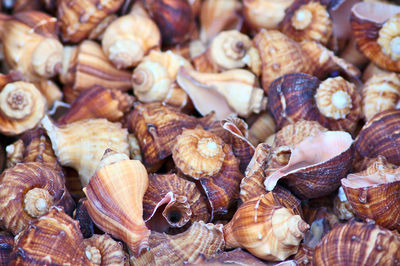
(184, 203)
(357, 243)
(115, 194)
(156, 127)
(205, 157)
(342, 207)
(53, 239)
(233, 91)
(22, 106)
(79, 18)
(28, 190)
(267, 230)
(15, 153)
(262, 128)
(81, 144)
(98, 102)
(373, 193)
(199, 240)
(6, 246)
(103, 250)
(315, 165)
(380, 92)
(307, 20)
(334, 103)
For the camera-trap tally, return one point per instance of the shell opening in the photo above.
(16, 102)
(93, 254)
(302, 19)
(208, 148)
(174, 216)
(37, 202)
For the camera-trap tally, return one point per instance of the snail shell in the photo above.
(103, 250)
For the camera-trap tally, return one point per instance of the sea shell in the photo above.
(129, 38)
(85, 66)
(98, 32)
(334, 103)
(79, 18)
(28, 190)
(31, 45)
(307, 20)
(179, 200)
(379, 137)
(342, 207)
(53, 239)
(156, 127)
(262, 128)
(314, 167)
(49, 90)
(375, 28)
(98, 102)
(203, 156)
(372, 70)
(233, 91)
(199, 240)
(235, 257)
(15, 153)
(267, 230)
(380, 92)
(373, 193)
(115, 194)
(103, 250)
(81, 144)
(82, 216)
(22, 106)
(356, 243)
(6, 246)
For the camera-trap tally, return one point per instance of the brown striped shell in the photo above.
(374, 193)
(28, 191)
(6, 246)
(356, 243)
(334, 103)
(235, 257)
(103, 250)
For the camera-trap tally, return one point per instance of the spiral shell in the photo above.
(103, 250)
(53, 239)
(357, 243)
(28, 190)
(267, 230)
(199, 240)
(81, 144)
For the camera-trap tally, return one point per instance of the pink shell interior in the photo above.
(376, 12)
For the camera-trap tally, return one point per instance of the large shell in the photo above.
(103, 250)
(180, 200)
(81, 144)
(334, 103)
(205, 157)
(380, 136)
(53, 239)
(315, 165)
(115, 194)
(357, 243)
(373, 193)
(6, 246)
(156, 127)
(27, 191)
(79, 18)
(266, 229)
(199, 240)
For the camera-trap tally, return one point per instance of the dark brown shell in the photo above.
(82, 216)
(380, 136)
(6, 246)
(156, 127)
(356, 243)
(291, 98)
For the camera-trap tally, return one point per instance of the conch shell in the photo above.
(115, 194)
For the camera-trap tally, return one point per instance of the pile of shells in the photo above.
(200, 132)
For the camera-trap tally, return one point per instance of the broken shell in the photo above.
(115, 194)
(156, 127)
(81, 144)
(380, 92)
(85, 66)
(315, 165)
(334, 103)
(342, 207)
(129, 38)
(54, 238)
(22, 106)
(268, 231)
(31, 45)
(78, 19)
(103, 250)
(98, 102)
(307, 20)
(203, 156)
(6, 246)
(233, 91)
(357, 243)
(180, 200)
(373, 193)
(28, 190)
(376, 30)
(199, 240)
